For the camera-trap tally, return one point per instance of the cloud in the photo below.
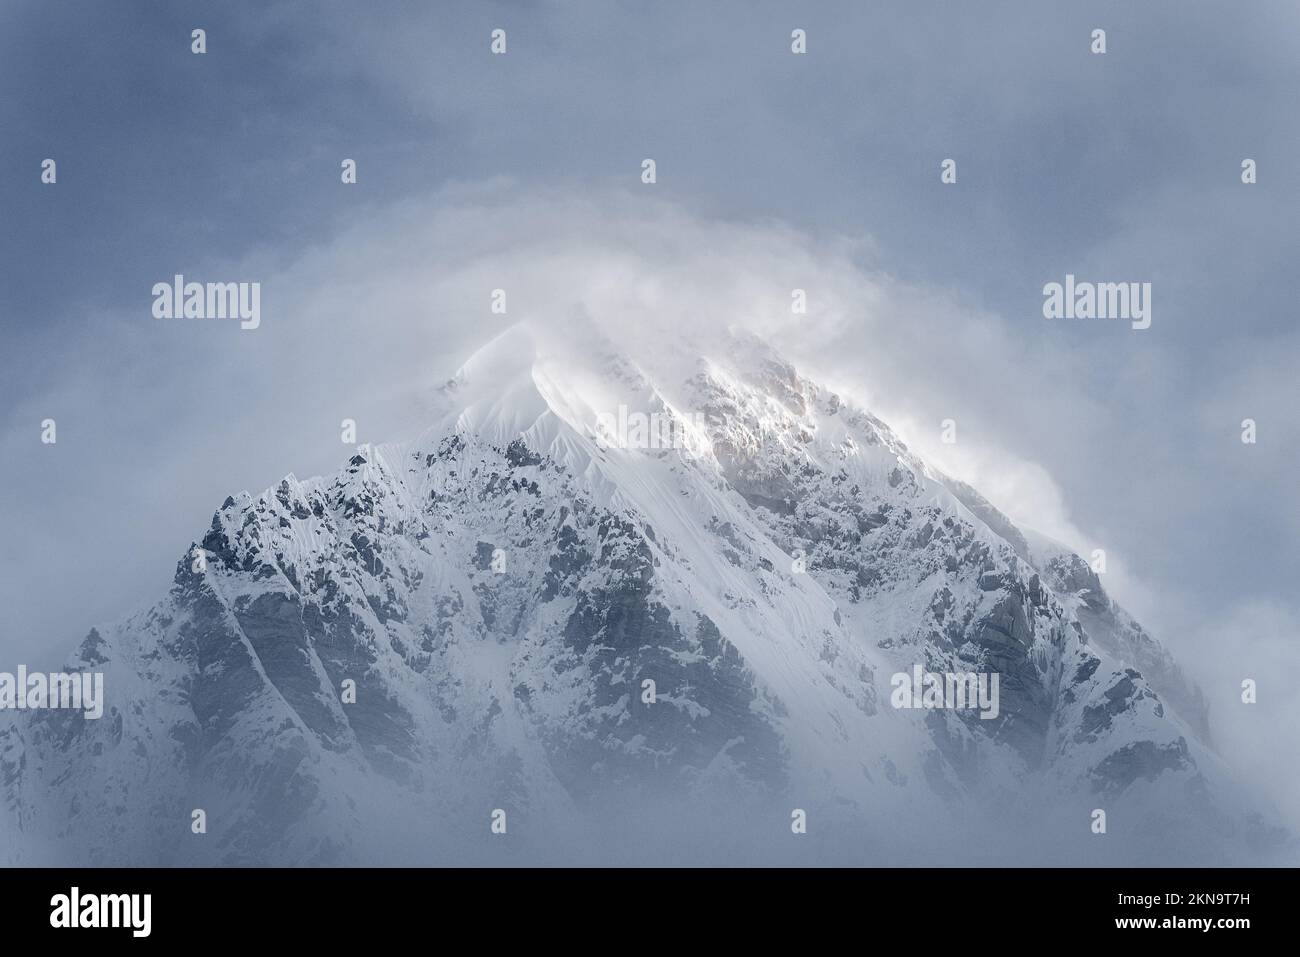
(160, 420)
(367, 325)
(1252, 639)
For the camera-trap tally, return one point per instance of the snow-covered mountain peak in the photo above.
(601, 574)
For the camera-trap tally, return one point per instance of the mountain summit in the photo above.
(648, 611)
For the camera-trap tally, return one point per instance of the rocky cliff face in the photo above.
(515, 611)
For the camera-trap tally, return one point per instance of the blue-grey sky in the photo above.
(474, 167)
